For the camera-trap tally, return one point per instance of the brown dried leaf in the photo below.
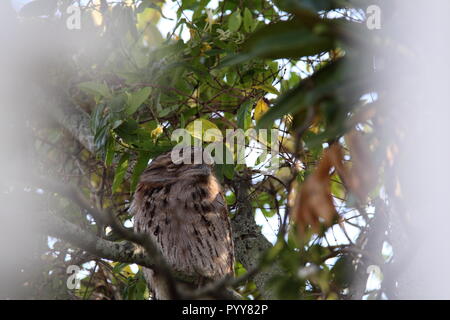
(360, 177)
(314, 203)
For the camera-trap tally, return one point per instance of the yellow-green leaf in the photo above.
(204, 130)
(157, 131)
(261, 108)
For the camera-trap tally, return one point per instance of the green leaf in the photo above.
(307, 93)
(95, 88)
(149, 4)
(162, 112)
(244, 115)
(117, 103)
(235, 59)
(101, 137)
(261, 158)
(235, 21)
(118, 267)
(141, 287)
(127, 131)
(224, 170)
(227, 168)
(249, 22)
(335, 88)
(228, 171)
(286, 39)
(230, 199)
(268, 88)
(140, 166)
(100, 125)
(136, 99)
(120, 172)
(268, 212)
(110, 150)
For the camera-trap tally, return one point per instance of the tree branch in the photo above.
(74, 120)
(249, 242)
(159, 264)
(124, 251)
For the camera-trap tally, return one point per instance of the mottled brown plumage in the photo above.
(182, 208)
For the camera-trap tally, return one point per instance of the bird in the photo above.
(180, 205)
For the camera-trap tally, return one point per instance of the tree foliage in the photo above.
(297, 66)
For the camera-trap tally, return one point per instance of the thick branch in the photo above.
(250, 244)
(74, 120)
(124, 251)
